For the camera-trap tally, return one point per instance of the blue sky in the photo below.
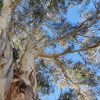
(72, 16)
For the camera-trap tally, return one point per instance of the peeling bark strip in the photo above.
(5, 45)
(19, 90)
(20, 86)
(15, 86)
(28, 68)
(23, 85)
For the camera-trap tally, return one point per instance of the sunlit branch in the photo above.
(68, 51)
(71, 34)
(61, 65)
(66, 36)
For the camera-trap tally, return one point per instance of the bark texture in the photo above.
(5, 45)
(14, 84)
(23, 85)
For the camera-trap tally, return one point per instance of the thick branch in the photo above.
(82, 26)
(67, 52)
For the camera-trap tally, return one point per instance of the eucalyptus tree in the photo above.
(6, 59)
(31, 28)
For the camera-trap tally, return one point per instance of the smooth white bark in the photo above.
(5, 45)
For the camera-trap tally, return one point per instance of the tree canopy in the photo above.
(62, 38)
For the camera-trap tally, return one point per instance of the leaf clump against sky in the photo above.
(67, 31)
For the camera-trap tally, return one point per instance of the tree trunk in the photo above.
(5, 45)
(23, 85)
(14, 84)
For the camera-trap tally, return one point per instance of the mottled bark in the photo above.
(17, 81)
(6, 58)
(23, 85)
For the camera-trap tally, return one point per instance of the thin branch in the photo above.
(94, 2)
(82, 57)
(60, 65)
(90, 37)
(65, 36)
(79, 41)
